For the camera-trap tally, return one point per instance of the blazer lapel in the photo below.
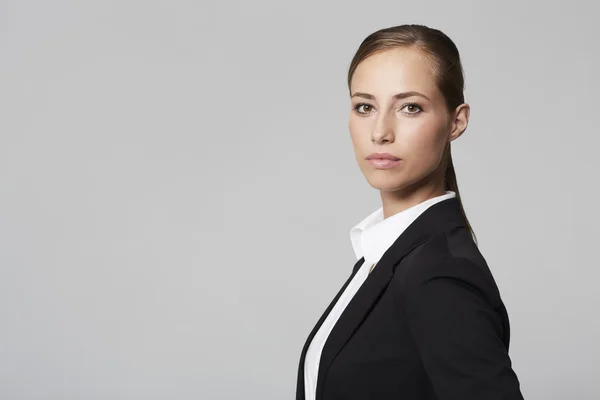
(300, 395)
(438, 218)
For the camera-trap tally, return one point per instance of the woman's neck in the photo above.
(398, 201)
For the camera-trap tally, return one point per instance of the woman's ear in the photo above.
(460, 121)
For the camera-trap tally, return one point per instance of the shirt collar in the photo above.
(372, 236)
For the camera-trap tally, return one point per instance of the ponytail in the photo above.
(451, 184)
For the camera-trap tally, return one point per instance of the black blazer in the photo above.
(428, 323)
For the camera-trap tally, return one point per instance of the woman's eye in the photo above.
(412, 108)
(362, 106)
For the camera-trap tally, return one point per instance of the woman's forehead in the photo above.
(395, 70)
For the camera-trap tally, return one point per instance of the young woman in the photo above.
(420, 317)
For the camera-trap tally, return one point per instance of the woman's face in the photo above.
(398, 109)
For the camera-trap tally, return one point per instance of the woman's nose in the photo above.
(383, 130)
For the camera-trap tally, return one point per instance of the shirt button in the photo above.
(373, 265)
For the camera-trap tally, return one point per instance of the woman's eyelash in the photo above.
(414, 105)
(356, 107)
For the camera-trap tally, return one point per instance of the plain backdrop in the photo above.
(177, 187)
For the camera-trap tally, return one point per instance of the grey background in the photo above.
(177, 186)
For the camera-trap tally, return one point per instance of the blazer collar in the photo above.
(374, 235)
(438, 218)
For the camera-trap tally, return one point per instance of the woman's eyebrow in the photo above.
(397, 96)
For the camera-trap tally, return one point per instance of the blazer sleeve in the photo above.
(458, 333)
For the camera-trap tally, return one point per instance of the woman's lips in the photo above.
(382, 163)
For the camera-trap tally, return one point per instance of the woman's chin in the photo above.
(385, 184)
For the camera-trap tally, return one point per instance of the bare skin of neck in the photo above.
(411, 195)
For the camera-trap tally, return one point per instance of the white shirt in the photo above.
(370, 239)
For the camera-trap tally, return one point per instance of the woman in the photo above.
(420, 317)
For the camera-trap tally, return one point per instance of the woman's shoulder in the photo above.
(450, 257)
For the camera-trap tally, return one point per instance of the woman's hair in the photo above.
(448, 72)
